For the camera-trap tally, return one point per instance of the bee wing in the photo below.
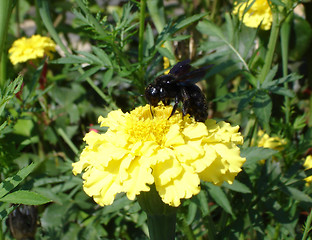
(193, 76)
(181, 68)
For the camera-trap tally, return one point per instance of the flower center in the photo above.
(143, 126)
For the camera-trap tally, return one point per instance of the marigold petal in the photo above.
(195, 131)
(184, 186)
(174, 136)
(140, 176)
(102, 186)
(187, 153)
(166, 168)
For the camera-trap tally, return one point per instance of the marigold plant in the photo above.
(140, 149)
(24, 49)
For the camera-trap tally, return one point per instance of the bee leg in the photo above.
(151, 111)
(175, 106)
(186, 100)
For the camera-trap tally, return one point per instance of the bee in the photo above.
(179, 86)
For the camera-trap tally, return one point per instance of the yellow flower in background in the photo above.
(254, 13)
(166, 64)
(140, 149)
(25, 49)
(308, 164)
(266, 141)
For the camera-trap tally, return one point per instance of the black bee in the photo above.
(179, 85)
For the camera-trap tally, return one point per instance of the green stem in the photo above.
(72, 146)
(38, 19)
(211, 227)
(187, 231)
(6, 8)
(161, 227)
(307, 226)
(43, 6)
(161, 218)
(1, 232)
(271, 47)
(141, 30)
(285, 33)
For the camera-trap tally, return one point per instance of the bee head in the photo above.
(152, 94)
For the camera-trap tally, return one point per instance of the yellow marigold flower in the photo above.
(25, 49)
(140, 149)
(308, 164)
(266, 141)
(254, 15)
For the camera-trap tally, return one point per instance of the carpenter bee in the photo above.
(179, 85)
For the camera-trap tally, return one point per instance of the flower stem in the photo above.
(6, 8)
(161, 227)
(141, 31)
(271, 47)
(187, 231)
(307, 226)
(161, 218)
(285, 33)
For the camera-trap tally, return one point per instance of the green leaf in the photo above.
(297, 194)
(3, 125)
(43, 6)
(165, 53)
(262, 107)
(71, 59)
(10, 183)
(203, 206)
(102, 55)
(245, 99)
(269, 85)
(233, 95)
(191, 213)
(300, 122)
(107, 77)
(255, 154)
(278, 3)
(220, 68)
(88, 73)
(237, 187)
(209, 28)
(219, 196)
(148, 40)
(301, 35)
(25, 197)
(283, 91)
(5, 210)
(94, 59)
(181, 24)
(229, 27)
(269, 77)
(9, 92)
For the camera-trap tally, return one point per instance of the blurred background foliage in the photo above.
(108, 51)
